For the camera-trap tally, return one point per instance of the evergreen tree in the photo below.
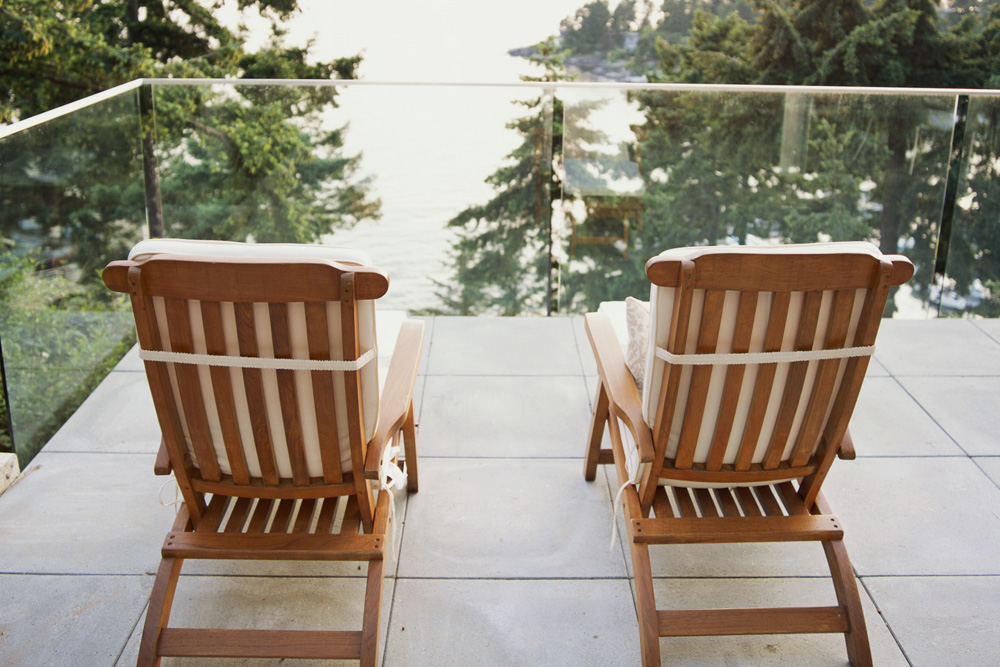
(244, 162)
(502, 255)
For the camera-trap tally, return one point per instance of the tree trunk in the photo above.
(151, 175)
(895, 184)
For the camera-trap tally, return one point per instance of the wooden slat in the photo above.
(273, 546)
(253, 383)
(213, 515)
(287, 396)
(352, 517)
(684, 503)
(763, 621)
(726, 501)
(661, 504)
(318, 335)
(698, 530)
(694, 410)
(767, 500)
(317, 488)
(282, 517)
(261, 513)
(795, 381)
(304, 517)
(327, 515)
(222, 387)
(732, 389)
(777, 316)
(789, 497)
(189, 388)
(206, 643)
(238, 515)
(747, 501)
(706, 503)
(826, 377)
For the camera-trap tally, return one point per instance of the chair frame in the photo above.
(238, 516)
(727, 509)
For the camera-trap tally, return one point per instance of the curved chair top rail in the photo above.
(242, 279)
(805, 267)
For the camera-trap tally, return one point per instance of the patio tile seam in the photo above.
(885, 621)
(539, 374)
(988, 334)
(926, 411)
(942, 575)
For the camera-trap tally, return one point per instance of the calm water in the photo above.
(425, 150)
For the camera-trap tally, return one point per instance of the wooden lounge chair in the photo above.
(261, 360)
(730, 438)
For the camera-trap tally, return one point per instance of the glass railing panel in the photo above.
(673, 168)
(971, 282)
(398, 171)
(72, 194)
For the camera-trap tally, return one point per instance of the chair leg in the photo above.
(410, 449)
(158, 613)
(645, 605)
(858, 648)
(372, 618)
(597, 422)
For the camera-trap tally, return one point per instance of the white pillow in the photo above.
(637, 320)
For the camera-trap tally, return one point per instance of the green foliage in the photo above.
(594, 28)
(865, 167)
(501, 254)
(237, 163)
(59, 341)
(230, 162)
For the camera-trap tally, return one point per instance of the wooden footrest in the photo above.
(214, 643)
(695, 530)
(780, 621)
(271, 546)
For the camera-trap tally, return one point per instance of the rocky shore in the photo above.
(594, 67)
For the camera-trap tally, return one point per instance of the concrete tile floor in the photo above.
(503, 556)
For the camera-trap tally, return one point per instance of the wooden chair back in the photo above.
(750, 418)
(249, 431)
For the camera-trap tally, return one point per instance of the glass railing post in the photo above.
(544, 203)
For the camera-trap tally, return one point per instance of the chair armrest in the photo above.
(397, 393)
(623, 395)
(162, 464)
(846, 451)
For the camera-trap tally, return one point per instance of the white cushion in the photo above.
(661, 313)
(371, 377)
(198, 248)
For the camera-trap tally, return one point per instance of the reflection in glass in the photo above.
(722, 167)
(72, 194)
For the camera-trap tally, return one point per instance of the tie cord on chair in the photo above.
(258, 362)
(747, 358)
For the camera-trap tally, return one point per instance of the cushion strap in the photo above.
(258, 362)
(790, 356)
